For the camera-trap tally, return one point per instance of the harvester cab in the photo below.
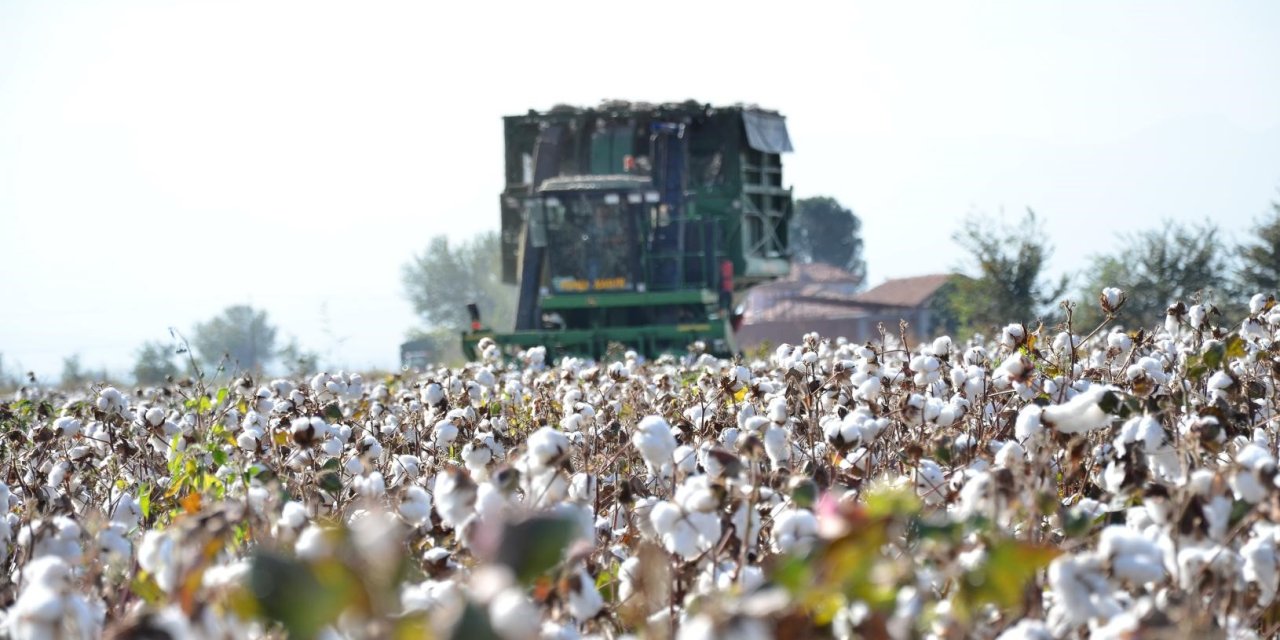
(634, 226)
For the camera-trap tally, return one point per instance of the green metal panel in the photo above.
(628, 299)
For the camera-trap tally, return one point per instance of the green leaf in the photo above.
(144, 586)
(532, 547)
(144, 501)
(222, 397)
(332, 412)
(219, 457)
(1235, 347)
(330, 481)
(302, 597)
(1214, 354)
(474, 625)
(1010, 564)
(892, 503)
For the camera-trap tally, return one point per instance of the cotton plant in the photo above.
(1135, 470)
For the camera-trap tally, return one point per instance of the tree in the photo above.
(1156, 268)
(1006, 285)
(1260, 257)
(7, 380)
(823, 231)
(297, 361)
(154, 364)
(242, 334)
(73, 372)
(444, 279)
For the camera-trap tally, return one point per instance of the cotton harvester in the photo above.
(636, 225)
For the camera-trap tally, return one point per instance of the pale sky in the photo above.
(160, 161)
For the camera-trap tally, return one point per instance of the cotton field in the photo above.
(1033, 484)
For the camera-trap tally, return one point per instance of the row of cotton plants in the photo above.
(1038, 484)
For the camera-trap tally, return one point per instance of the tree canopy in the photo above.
(242, 334)
(444, 278)
(154, 364)
(1005, 281)
(1155, 268)
(824, 231)
(1260, 255)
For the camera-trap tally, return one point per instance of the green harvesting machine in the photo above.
(637, 224)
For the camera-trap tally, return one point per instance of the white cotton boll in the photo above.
(1014, 367)
(1252, 329)
(444, 434)
(1133, 557)
(313, 543)
(455, 496)
(1010, 455)
(729, 437)
(415, 506)
(869, 390)
(546, 447)
(664, 516)
(942, 346)
(248, 440)
(293, 515)
(1196, 316)
(777, 446)
(258, 496)
(1028, 424)
(571, 423)
(432, 394)
(331, 447)
(114, 545)
(1219, 382)
(58, 473)
(1260, 562)
(1119, 340)
(582, 488)
(512, 614)
(1257, 303)
(930, 482)
(372, 486)
(353, 466)
(684, 534)
(585, 600)
(1111, 298)
(1080, 414)
(156, 556)
(777, 411)
(1254, 457)
(66, 427)
(697, 494)
(1064, 343)
(654, 441)
(46, 608)
(127, 513)
(1013, 335)
(686, 460)
(1027, 629)
(950, 412)
(976, 497)
(755, 424)
(794, 530)
(405, 467)
(476, 456)
(1080, 590)
(154, 416)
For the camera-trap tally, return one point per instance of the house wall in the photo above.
(861, 328)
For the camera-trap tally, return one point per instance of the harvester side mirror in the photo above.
(473, 310)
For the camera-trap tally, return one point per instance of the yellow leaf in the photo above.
(191, 503)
